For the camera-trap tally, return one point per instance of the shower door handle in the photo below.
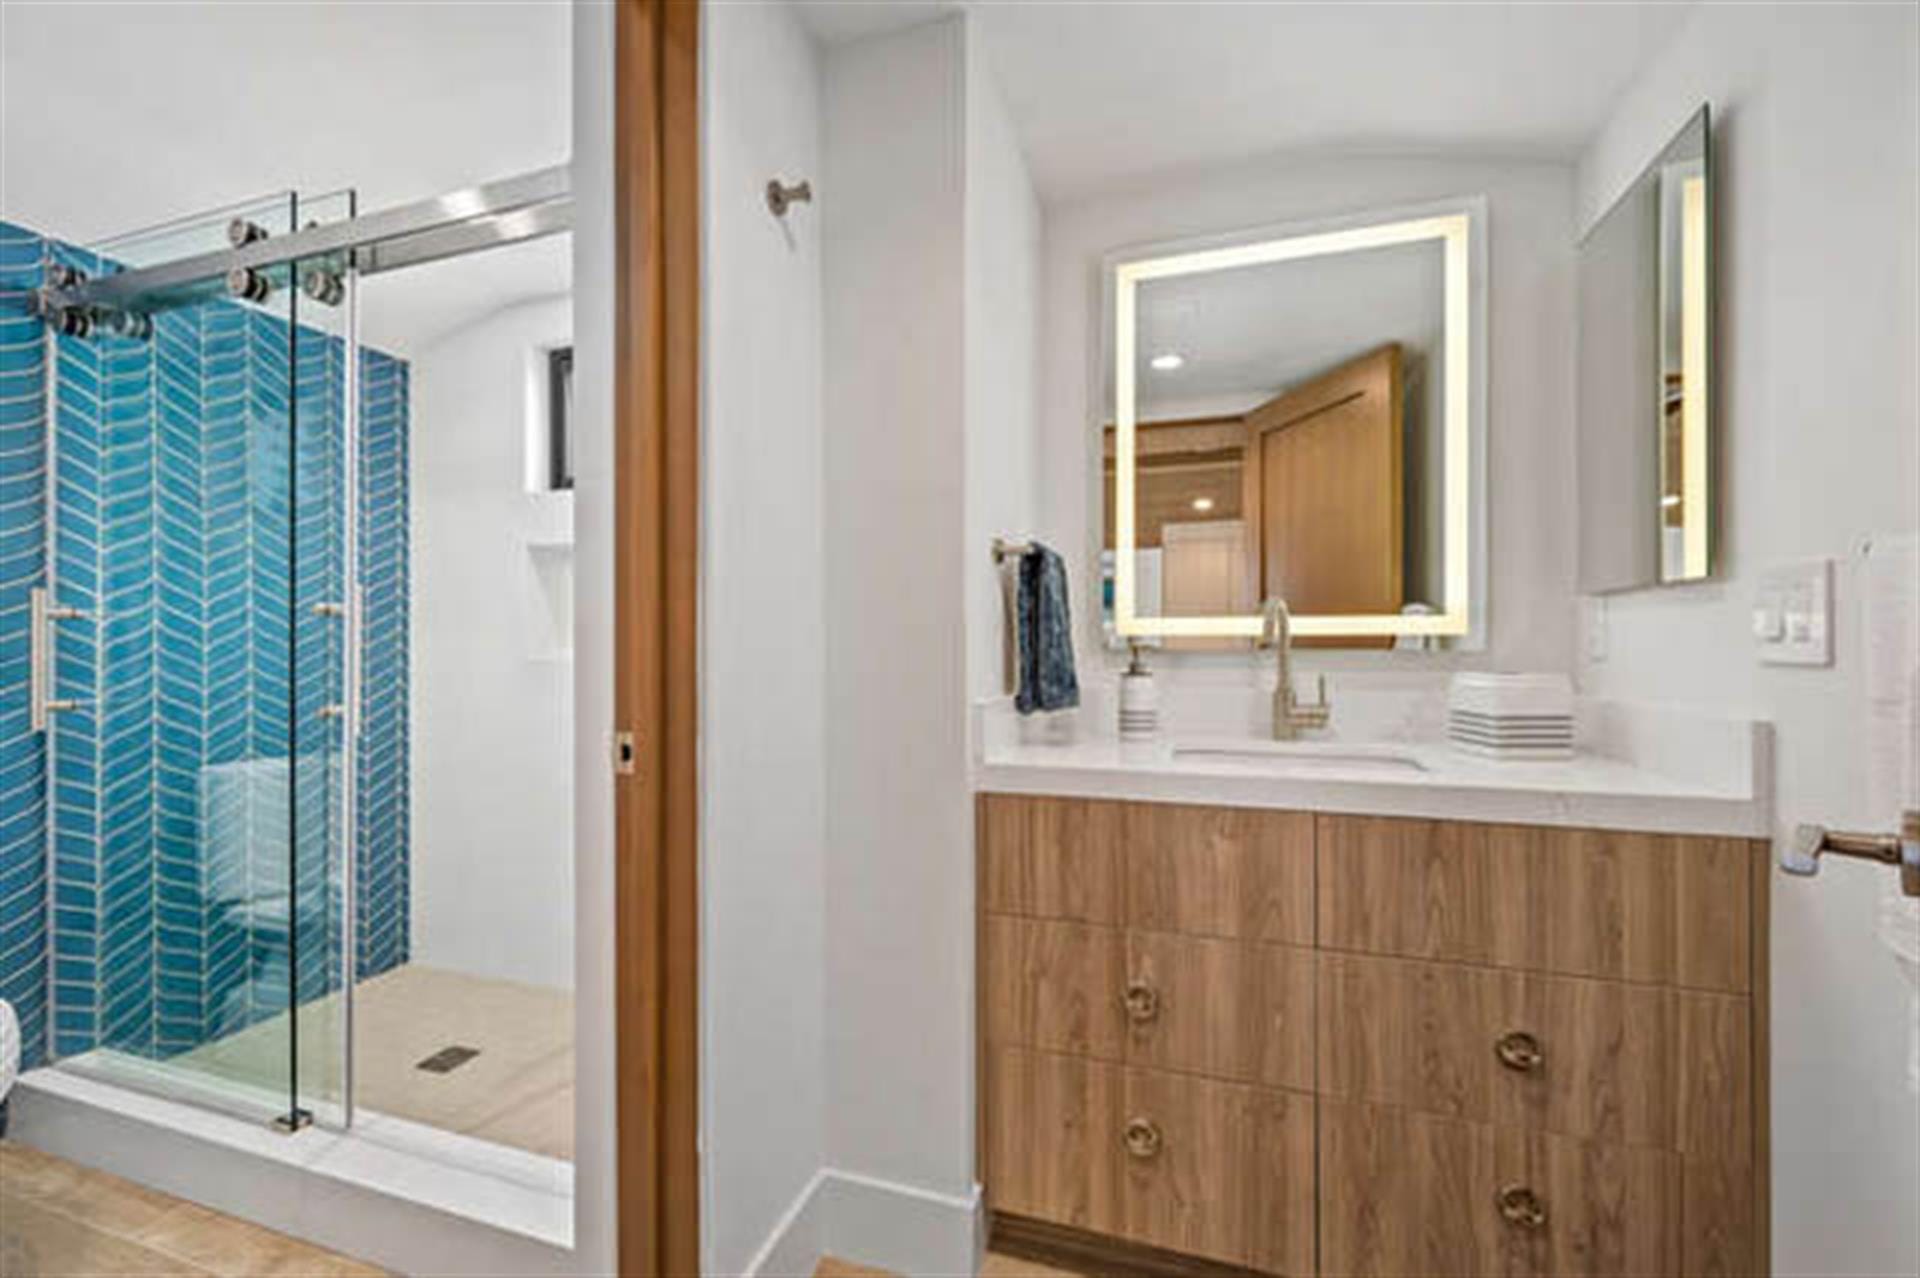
(42, 613)
(336, 611)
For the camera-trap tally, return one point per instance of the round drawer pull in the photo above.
(1521, 1206)
(1143, 1001)
(1519, 1050)
(1142, 1137)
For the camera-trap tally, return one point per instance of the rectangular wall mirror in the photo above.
(1646, 423)
(1298, 413)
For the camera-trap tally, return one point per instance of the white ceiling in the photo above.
(838, 21)
(1102, 94)
(119, 116)
(405, 311)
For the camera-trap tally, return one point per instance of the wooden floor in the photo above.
(994, 1266)
(61, 1220)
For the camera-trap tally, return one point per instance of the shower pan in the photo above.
(214, 750)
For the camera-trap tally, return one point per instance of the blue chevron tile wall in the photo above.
(176, 884)
(24, 905)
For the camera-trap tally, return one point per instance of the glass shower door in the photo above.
(188, 862)
(325, 705)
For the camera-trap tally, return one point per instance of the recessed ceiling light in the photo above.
(1203, 504)
(1167, 361)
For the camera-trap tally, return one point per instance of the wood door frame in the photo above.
(656, 459)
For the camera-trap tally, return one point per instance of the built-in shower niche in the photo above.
(186, 495)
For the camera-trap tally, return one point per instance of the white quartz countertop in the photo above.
(1591, 790)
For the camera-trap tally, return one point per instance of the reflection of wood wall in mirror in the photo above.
(1203, 573)
(1186, 471)
(1324, 484)
(1187, 494)
(1673, 451)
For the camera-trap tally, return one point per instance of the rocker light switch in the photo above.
(1793, 614)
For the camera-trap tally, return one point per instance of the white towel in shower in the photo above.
(9, 1048)
(1890, 625)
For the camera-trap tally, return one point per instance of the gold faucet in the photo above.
(1289, 714)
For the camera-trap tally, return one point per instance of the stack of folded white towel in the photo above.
(1512, 716)
(1890, 626)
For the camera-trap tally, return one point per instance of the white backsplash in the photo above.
(1367, 706)
(1397, 707)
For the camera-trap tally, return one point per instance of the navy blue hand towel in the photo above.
(1045, 632)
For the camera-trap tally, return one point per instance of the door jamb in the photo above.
(656, 579)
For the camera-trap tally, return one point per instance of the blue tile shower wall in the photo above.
(198, 531)
(384, 814)
(23, 758)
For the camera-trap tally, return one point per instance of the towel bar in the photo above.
(1005, 547)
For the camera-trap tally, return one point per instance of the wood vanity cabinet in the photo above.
(1224, 1040)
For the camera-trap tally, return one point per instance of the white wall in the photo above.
(1002, 302)
(899, 888)
(763, 636)
(595, 1184)
(839, 649)
(1530, 402)
(492, 713)
(1818, 155)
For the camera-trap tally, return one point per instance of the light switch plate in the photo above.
(1793, 613)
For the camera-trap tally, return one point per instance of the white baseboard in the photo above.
(798, 1240)
(870, 1221)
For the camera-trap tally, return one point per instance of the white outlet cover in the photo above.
(1793, 613)
(1595, 628)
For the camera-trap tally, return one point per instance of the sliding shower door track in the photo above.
(526, 206)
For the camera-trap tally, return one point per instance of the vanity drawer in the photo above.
(1665, 909)
(1638, 1065)
(1053, 1138)
(1050, 858)
(1224, 1009)
(1053, 985)
(1403, 1193)
(1243, 873)
(1218, 1170)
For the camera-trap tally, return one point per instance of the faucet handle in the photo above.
(1315, 715)
(1320, 690)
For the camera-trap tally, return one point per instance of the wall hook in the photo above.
(781, 197)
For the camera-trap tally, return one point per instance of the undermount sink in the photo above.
(1300, 756)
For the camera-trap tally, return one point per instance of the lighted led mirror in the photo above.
(1646, 423)
(1298, 414)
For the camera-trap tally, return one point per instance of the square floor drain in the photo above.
(448, 1059)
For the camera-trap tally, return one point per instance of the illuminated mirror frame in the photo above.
(1697, 423)
(1460, 228)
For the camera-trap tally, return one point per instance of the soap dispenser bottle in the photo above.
(1139, 699)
